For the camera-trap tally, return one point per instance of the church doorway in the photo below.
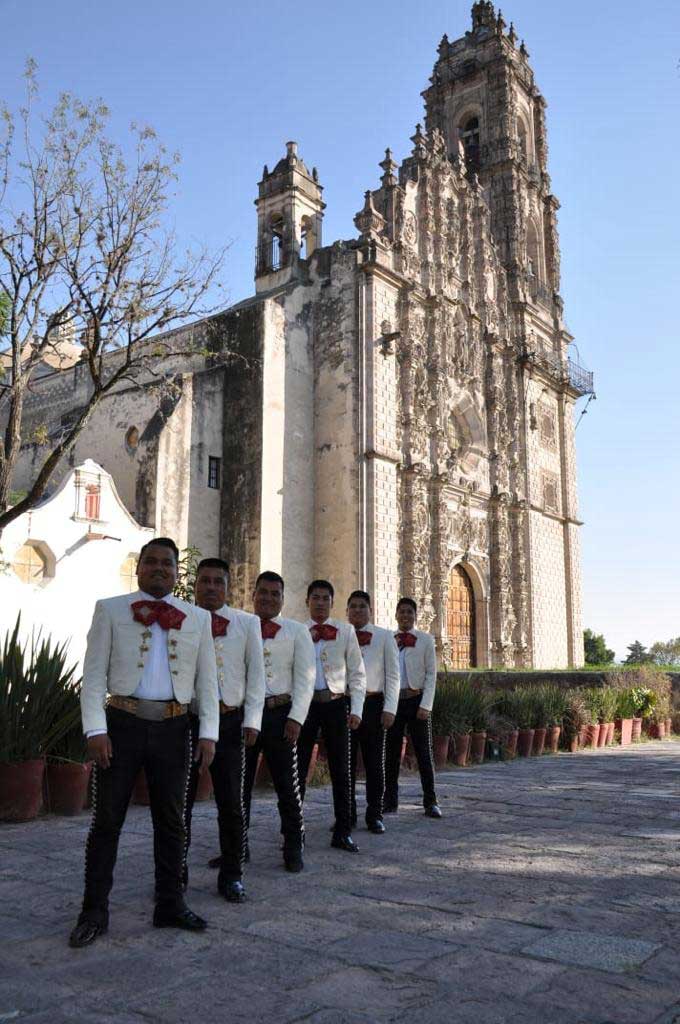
(460, 619)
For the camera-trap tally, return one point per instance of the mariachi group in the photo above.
(178, 689)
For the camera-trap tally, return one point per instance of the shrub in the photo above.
(460, 706)
(576, 714)
(608, 703)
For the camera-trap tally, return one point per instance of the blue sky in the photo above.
(227, 85)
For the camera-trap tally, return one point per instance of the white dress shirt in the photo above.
(320, 681)
(156, 683)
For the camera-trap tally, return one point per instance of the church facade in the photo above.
(398, 411)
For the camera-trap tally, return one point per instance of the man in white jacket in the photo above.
(381, 661)
(418, 681)
(152, 654)
(339, 671)
(240, 678)
(290, 671)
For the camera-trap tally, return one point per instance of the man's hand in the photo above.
(250, 736)
(291, 731)
(422, 714)
(99, 750)
(354, 722)
(205, 752)
(387, 719)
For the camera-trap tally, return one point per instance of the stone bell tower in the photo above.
(289, 216)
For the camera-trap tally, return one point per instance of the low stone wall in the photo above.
(508, 680)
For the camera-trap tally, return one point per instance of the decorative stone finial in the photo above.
(443, 47)
(419, 141)
(292, 148)
(389, 167)
(368, 221)
(500, 23)
(265, 171)
(512, 35)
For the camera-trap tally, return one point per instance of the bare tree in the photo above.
(84, 255)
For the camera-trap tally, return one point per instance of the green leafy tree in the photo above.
(637, 654)
(596, 650)
(666, 653)
(87, 266)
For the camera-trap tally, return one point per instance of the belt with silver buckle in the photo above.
(149, 710)
(408, 692)
(324, 696)
(226, 709)
(374, 693)
(277, 700)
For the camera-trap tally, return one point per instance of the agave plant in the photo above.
(576, 713)
(37, 691)
(519, 707)
(608, 703)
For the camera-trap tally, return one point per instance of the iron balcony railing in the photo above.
(570, 373)
(580, 379)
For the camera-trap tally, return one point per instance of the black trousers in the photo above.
(163, 750)
(370, 737)
(227, 770)
(331, 719)
(282, 760)
(421, 737)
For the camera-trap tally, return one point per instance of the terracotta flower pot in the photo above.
(403, 750)
(461, 748)
(440, 746)
(361, 770)
(525, 742)
(21, 790)
(66, 786)
(312, 762)
(538, 746)
(636, 729)
(610, 733)
(602, 734)
(509, 746)
(140, 792)
(262, 773)
(477, 747)
(669, 728)
(583, 736)
(552, 738)
(592, 734)
(410, 759)
(575, 744)
(625, 727)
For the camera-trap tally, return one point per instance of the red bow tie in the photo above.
(219, 624)
(324, 632)
(364, 637)
(269, 629)
(166, 615)
(405, 640)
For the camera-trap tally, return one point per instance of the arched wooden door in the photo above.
(460, 619)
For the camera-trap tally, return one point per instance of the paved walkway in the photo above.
(550, 892)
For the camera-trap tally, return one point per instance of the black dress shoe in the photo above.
(179, 919)
(390, 808)
(293, 862)
(376, 827)
(344, 843)
(85, 932)
(233, 892)
(215, 862)
(433, 811)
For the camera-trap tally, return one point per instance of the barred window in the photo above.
(214, 467)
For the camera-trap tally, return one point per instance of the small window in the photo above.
(128, 574)
(93, 494)
(469, 136)
(214, 467)
(30, 564)
(132, 439)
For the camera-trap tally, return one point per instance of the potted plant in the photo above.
(501, 726)
(591, 697)
(608, 705)
(442, 723)
(644, 701)
(574, 719)
(624, 714)
(67, 772)
(461, 695)
(522, 712)
(554, 698)
(28, 682)
(539, 702)
(478, 716)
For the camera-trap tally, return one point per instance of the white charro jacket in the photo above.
(116, 654)
(290, 666)
(342, 664)
(421, 667)
(381, 661)
(240, 667)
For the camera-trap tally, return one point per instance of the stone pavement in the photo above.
(549, 892)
